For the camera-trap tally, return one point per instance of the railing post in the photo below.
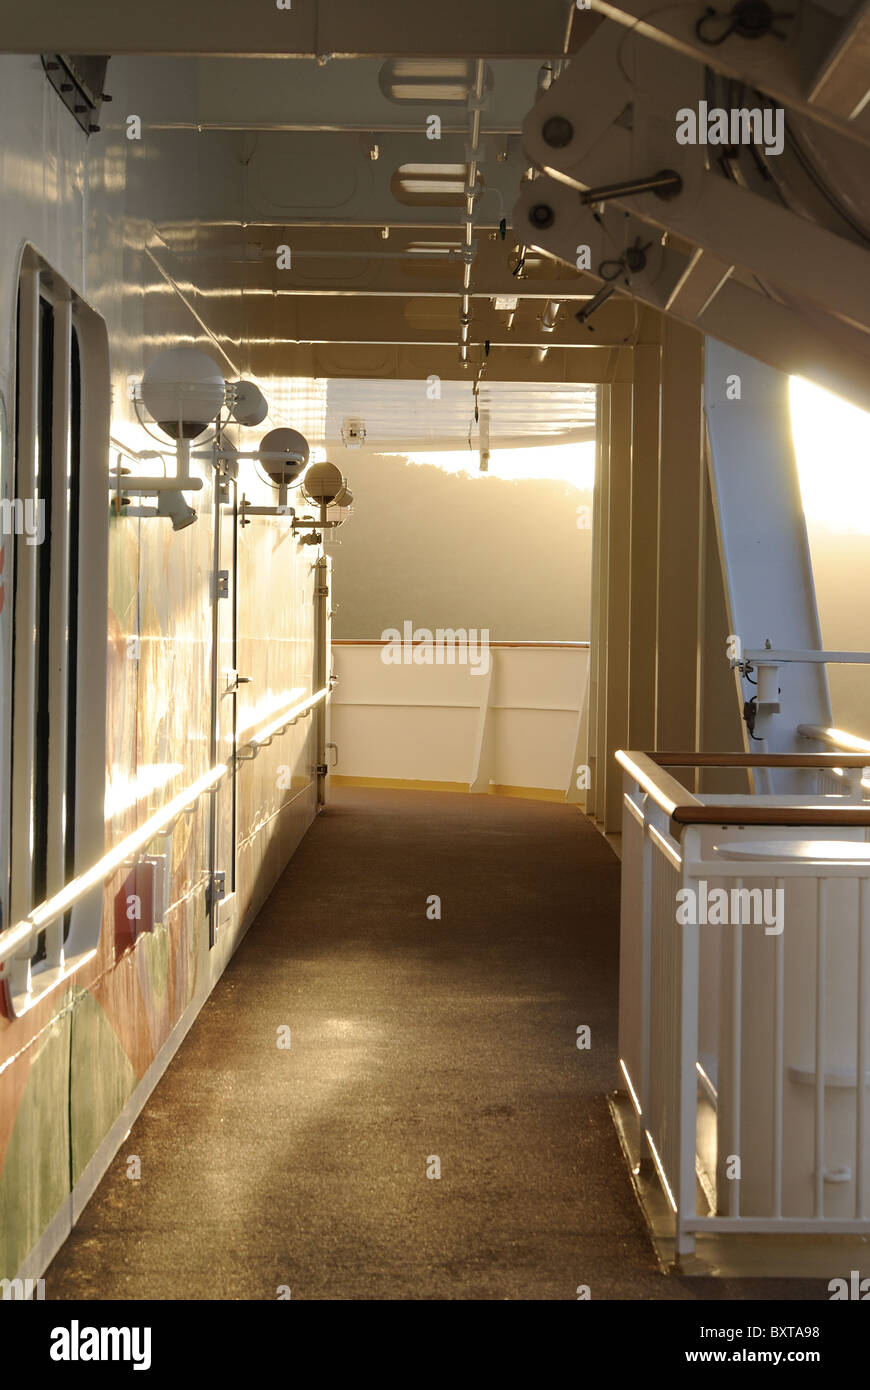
(645, 1162)
(321, 667)
(686, 1186)
(863, 1003)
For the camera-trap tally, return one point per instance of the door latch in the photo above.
(217, 887)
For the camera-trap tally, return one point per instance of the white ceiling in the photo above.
(400, 412)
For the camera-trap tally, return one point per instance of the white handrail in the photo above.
(16, 937)
(769, 656)
(835, 738)
(290, 716)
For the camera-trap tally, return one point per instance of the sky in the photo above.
(570, 463)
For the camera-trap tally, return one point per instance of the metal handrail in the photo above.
(16, 937)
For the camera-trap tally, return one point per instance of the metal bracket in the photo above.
(576, 135)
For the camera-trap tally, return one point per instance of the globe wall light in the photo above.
(284, 454)
(325, 486)
(181, 394)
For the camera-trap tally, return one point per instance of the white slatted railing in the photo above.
(757, 1006)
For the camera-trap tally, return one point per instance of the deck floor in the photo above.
(410, 1038)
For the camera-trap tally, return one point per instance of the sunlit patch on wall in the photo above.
(832, 446)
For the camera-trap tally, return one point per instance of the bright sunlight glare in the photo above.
(832, 446)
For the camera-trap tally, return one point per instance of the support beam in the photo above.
(342, 28)
(644, 539)
(792, 333)
(679, 526)
(778, 68)
(596, 801)
(699, 284)
(720, 727)
(842, 80)
(372, 318)
(618, 599)
(409, 362)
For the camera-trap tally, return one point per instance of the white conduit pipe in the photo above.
(256, 254)
(548, 324)
(470, 194)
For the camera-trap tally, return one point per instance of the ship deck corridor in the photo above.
(411, 1037)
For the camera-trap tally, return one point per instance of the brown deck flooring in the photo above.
(410, 1038)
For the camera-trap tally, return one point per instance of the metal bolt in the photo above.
(672, 185)
(557, 132)
(542, 215)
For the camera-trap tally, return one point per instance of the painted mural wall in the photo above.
(76, 1069)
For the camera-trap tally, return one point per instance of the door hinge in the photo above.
(222, 584)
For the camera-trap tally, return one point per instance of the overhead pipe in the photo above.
(547, 75)
(255, 254)
(548, 325)
(404, 223)
(301, 127)
(470, 194)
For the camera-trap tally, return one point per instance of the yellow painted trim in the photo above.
(529, 793)
(407, 784)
